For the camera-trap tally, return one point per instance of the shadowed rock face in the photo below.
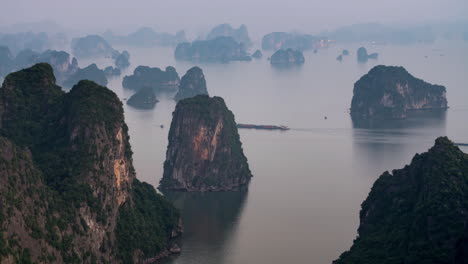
(240, 35)
(6, 61)
(159, 80)
(92, 73)
(287, 57)
(122, 60)
(204, 152)
(192, 83)
(68, 191)
(417, 214)
(220, 49)
(389, 92)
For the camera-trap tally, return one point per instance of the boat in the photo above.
(265, 127)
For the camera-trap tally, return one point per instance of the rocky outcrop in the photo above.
(122, 60)
(283, 40)
(146, 37)
(257, 54)
(159, 80)
(145, 98)
(240, 35)
(92, 73)
(417, 214)
(345, 52)
(220, 49)
(16, 42)
(390, 92)
(362, 55)
(192, 83)
(286, 58)
(204, 152)
(339, 58)
(68, 189)
(92, 46)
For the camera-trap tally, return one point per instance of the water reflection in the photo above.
(210, 220)
(389, 144)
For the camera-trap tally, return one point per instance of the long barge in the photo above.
(264, 127)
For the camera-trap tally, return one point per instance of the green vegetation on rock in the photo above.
(417, 214)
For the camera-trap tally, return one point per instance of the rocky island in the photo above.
(91, 72)
(390, 92)
(122, 60)
(362, 55)
(240, 35)
(417, 214)
(220, 49)
(257, 54)
(283, 40)
(204, 151)
(68, 191)
(62, 63)
(110, 71)
(286, 58)
(192, 83)
(92, 46)
(146, 37)
(159, 80)
(145, 98)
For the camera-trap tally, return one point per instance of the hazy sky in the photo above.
(259, 15)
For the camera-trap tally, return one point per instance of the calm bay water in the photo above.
(303, 202)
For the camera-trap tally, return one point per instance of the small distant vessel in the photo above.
(265, 127)
(161, 126)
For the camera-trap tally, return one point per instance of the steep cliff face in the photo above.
(192, 83)
(204, 152)
(122, 60)
(6, 61)
(220, 49)
(70, 192)
(417, 214)
(287, 57)
(159, 80)
(389, 92)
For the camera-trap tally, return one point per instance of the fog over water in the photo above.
(309, 16)
(308, 183)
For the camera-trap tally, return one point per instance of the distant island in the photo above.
(220, 49)
(159, 80)
(69, 192)
(283, 40)
(204, 152)
(192, 83)
(91, 72)
(145, 98)
(62, 63)
(257, 54)
(417, 214)
(362, 55)
(92, 46)
(240, 35)
(390, 92)
(285, 58)
(146, 37)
